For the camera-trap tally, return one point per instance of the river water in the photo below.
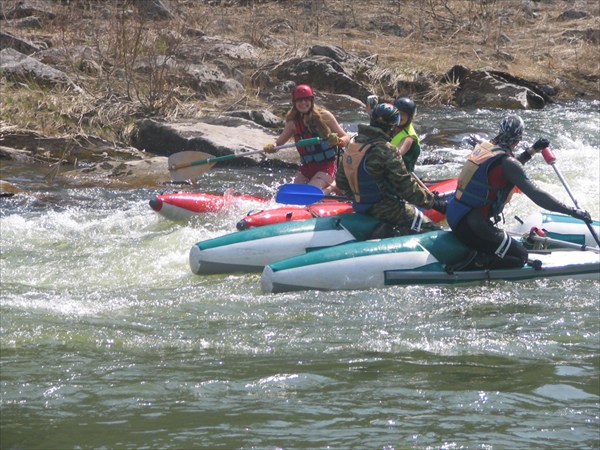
(109, 341)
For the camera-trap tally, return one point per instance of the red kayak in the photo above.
(183, 205)
(292, 212)
(331, 207)
(445, 188)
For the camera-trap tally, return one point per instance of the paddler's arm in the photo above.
(539, 145)
(288, 132)
(341, 181)
(515, 174)
(405, 145)
(335, 127)
(403, 184)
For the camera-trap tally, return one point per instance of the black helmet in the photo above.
(385, 116)
(406, 105)
(511, 130)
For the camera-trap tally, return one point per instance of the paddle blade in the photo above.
(548, 155)
(299, 194)
(181, 168)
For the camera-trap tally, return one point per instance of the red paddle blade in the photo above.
(548, 155)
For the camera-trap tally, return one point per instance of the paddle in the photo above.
(549, 157)
(189, 165)
(535, 236)
(306, 194)
(302, 194)
(418, 180)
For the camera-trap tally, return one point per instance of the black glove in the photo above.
(581, 215)
(440, 205)
(473, 140)
(540, 144)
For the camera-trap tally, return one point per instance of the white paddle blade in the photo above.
(181, 168)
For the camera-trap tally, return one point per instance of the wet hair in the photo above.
(313, 120)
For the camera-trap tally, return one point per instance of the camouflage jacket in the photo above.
(387, 168)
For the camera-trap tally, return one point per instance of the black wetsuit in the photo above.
(480, 233)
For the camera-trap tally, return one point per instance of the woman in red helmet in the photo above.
(305, 120)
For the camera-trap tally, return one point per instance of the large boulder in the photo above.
(321, 72)
(8, 40)
(494, 89)
(20, 67)
(218, 136)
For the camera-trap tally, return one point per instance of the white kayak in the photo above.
(413, 260)
(251, 250)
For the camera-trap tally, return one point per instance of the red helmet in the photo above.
(302, 91)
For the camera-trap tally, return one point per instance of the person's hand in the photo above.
(333, 139)
(269, 148)
(581, 215)
(372, 101)
(473, 140)
(539, 145)
(440, 205)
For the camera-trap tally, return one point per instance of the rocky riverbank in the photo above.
(103, 92)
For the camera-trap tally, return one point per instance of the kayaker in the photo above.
(405, 138)
(372, 172)
(305, 120)
(485, 186)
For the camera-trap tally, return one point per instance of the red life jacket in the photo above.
(313, 153)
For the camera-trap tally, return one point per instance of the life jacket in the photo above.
(313, 153)
(411, 156)
(481, 185)
(365, 190)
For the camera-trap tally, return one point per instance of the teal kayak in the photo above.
(251, 250)
(563, 250)
(413, 260)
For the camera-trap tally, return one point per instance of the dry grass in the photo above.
(410, 39)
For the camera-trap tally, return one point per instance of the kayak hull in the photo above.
(251, 250)
(411, 260)
(291, 212)
(183, 205)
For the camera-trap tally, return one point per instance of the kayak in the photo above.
(183, 205)
(413, 260)
(288, 213)
(250, 250)
(330, 207)
(558, 226)
(178, 206)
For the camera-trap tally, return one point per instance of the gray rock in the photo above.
(321, 72)
(18, 66)
(154, 9)
(495, 89)
(8, 40)
(574, 14)
(25, 9)
(263, 118)
(218, 136)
